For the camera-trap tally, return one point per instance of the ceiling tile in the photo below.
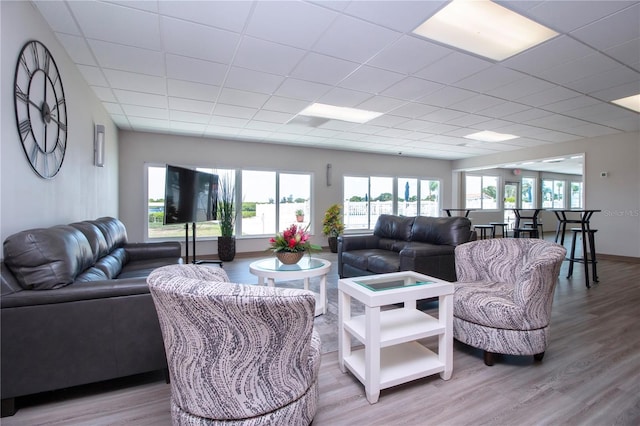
(191, 105)
(242, 98)
(323, 69)
(105, 94)
(288, 105)
(78, 49)
(408, 55)
(364, 39)
(371, 80)
(253, 81)
(189, 39)
(292, 23)
(93, 75)
(127, 58)
(345, 97)
(299, 89)
(141, 99)
(229, 15)
(117, 24)
(196, 70)
(266, 56)
(453, 68)
(566, 16)
(188, 89)
(411, 88)
(612, 30)
(135, 82)
(58, 18)
(145, 112)
(550, 54)
(189, 117)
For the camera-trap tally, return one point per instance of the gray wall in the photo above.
(79, 191)
(137, 148)
(618, 195)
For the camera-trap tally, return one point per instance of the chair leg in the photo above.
(538, 357)
(488, 358)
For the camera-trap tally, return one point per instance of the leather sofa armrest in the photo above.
(143, 251)
(78, 291)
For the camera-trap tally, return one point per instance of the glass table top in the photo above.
(381, 284)
(305, 264)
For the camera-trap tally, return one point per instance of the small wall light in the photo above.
(98, 146)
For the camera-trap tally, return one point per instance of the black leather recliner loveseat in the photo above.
(76, 308)
(422, 244)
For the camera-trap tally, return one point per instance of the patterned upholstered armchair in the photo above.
(503, 296)
(237, 354)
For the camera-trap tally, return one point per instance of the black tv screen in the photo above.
(189, 196)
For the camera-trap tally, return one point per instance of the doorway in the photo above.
(511, 201)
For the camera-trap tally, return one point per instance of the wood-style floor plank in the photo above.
(590, 374)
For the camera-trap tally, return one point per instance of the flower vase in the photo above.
(289, 258)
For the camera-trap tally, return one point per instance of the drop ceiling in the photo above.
(241, 70)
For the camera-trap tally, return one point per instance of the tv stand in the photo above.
(186, 245)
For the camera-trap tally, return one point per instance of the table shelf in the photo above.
(397, 326)
(398, 364)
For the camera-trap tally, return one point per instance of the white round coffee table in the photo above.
(306, 268)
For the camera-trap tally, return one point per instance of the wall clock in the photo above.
(41, 109)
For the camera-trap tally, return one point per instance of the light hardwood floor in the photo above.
(590, 374)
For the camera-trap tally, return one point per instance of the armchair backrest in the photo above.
(531, 265)
(234, 351)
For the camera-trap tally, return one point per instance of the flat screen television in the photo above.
(189, 196)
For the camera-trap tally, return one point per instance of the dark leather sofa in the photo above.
(422, 244)
(76, 308)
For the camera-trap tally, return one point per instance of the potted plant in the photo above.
(291, 244)
(226, 218)
(332, 226)
(300, 215)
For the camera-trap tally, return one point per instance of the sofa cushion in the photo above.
(384, 263)
(95, 237)
(43, 259)
(112, 263)
(113, 230)
(441, 230)
(393, 227)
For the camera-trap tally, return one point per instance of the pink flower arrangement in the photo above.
(294, 239)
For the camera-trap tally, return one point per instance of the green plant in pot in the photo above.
(300, 215)
(332, 226)
(226, 218)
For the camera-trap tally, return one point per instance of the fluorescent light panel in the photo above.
(631, 102)
(489, 136)
(484, 28)
(333, 112)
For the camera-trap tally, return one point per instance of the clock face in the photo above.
(41, 109)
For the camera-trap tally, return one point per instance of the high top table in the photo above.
(580, 217)
(466, 211)
(526, 214)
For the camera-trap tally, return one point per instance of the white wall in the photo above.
(79, 191)
(618, 196)
(137, 148)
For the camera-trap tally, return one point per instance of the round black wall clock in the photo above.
(41, 109)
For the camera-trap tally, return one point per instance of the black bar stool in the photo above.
(588, 258)
(483, 230)
(495, 225)
(540, 230)
(532, 232)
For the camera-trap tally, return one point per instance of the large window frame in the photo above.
(278, 210)
(365, 198)
(482, 192)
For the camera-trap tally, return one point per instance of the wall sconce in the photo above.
(98, 146)
(329, 174)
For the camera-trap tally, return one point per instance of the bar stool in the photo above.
(483, 230)
(495, 225)
(533, 232)
(586, 257)
(530, 225)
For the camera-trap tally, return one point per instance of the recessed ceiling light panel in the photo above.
(484, 28)
(631, 102)
(489, 136)
(333, 112)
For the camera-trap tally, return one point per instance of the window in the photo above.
(270, 200)
(528, 193)
(366, 198)
(429, 198)
(552, 194)
(576, 195)
(295, 193)
(155, 207)
(481, 192)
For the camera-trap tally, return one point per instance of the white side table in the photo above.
(392, 354)
(272, 269)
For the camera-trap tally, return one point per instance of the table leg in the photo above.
(271, 282)
(372, 354)
(344, 340)
(445, 340)
(323, 293)
(260, 280)
(585, 235)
